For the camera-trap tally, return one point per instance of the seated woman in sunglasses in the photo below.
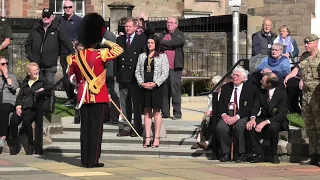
(8, 86)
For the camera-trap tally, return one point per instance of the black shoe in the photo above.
(275, 159)
(241, 158)
(164, 116)
(95, 165)
(176, 118)
(258, 158)
(225, 158)
(133, 134)
(14, 150)
(1, 149)
(312, 160)
(195, 146)
(30, 150)
(69, 103)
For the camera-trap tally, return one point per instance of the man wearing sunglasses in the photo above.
(70, 22)
(44, 42)
(5, 38)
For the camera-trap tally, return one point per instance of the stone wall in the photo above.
(296, 14)
(210, 53)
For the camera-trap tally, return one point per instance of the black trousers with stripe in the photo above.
(91, 132)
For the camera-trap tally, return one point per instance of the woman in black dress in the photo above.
(152, 70)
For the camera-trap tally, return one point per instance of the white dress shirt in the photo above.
(239, 89)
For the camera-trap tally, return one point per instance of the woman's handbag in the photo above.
(49, 101)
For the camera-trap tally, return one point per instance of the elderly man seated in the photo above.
(272, 101)
(276, 63)
(235, 103)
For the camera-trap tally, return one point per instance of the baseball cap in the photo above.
(46, 12)
(310, 38)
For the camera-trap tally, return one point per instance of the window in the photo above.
(57, 7)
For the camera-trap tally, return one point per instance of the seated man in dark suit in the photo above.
(272, 100)
(235, 103)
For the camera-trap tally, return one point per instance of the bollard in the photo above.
(39, 127)
(214, 119)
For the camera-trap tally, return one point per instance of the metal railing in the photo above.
(201, 24)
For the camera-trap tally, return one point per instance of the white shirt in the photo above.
(271, 92)
(239, 89)
(131, 37)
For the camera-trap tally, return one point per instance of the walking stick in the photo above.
(126, 119)
(234, 113)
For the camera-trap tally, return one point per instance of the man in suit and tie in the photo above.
(235, 103)
(124, 69)
(272, 100)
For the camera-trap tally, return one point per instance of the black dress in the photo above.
(151, 98)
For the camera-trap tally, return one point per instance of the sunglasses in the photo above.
(46, 16)
(2, 64)
(67, 7)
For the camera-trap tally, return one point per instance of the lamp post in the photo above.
(235, 8)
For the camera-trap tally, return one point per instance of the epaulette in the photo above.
(70, 59)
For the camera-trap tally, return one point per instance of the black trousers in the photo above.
(270, 132)
(27, 118)
(91, 131)
(67, 86)
(114, 113)
(5, 110)
(130, 96)
(293, 93)
(172, 89)
(224, 132)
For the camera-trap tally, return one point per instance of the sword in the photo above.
(125, 118)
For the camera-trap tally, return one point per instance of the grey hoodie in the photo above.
(9, 94)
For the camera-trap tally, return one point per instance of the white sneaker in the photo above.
(2, 142)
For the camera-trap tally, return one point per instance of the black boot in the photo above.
(14, 150)
(30, 150)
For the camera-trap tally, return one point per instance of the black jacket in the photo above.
(176, 43)
(26, 94)
(125, 64)
(246, 100)
(44, 48)
(262, 42)
(275, 111)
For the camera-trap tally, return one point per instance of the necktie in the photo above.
(128, 41)
(235, 98)
(269, 97)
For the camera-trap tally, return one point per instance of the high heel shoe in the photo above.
(145, 143)
(156, 146)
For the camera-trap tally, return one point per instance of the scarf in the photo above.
(275, 62)
(287, 43)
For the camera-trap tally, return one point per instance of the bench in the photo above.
(193, 79)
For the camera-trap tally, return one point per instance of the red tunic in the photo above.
(89, 74)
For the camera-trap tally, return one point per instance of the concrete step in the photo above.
(69, 136)
(171, 129)
(135, 150)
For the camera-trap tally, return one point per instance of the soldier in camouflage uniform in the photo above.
(309, 66)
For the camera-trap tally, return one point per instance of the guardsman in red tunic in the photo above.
(87, 71)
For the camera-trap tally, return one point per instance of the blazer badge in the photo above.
(274, 110)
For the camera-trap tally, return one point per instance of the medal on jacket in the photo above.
(149, 64)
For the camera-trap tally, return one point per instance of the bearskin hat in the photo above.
(92, 28)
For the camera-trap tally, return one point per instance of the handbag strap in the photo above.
(2, 88)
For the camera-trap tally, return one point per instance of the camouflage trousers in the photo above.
(311, 116)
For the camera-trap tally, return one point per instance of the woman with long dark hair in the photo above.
(152, 70)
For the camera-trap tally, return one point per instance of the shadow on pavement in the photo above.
(72, 160)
